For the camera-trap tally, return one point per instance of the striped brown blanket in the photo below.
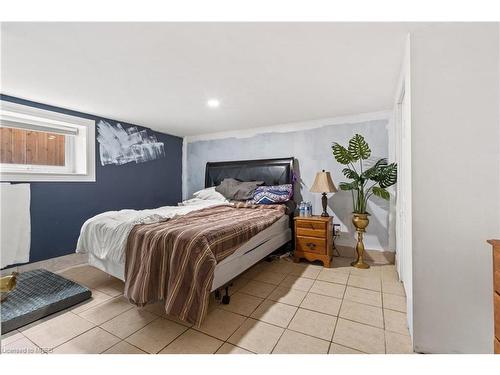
(175, 260)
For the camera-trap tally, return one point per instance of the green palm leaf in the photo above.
(374, 170)
(358, 148)
(388, 175)
(341, 154)
(349, 173)
(380, 192)
(348, 186)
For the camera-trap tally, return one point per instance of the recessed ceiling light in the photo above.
(213, 103)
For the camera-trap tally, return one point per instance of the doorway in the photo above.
(403, 212)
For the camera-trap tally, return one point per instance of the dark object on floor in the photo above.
(226, 298)
(39, 293)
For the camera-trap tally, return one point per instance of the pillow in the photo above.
(272, 194)
(209, 194)
(237, 190)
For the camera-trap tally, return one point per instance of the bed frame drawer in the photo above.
(311, 245)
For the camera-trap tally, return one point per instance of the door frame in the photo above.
(401, 201)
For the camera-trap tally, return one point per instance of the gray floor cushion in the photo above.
(39, 293)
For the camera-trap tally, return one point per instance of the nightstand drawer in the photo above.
(316, 225)
(311, 245)
(321, 233)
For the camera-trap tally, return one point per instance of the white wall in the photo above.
(456, 189)
(310, 143)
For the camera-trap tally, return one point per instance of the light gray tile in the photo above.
(128, 322)
(156, 335)
(340, 349)
(124, 347)
(309, 271)
(359, 336)
(257, 337)
(332, 275)
(328, 289)
(193, 342)
(397, 343)
(299, 283)
(393, 287)
(232, 349)
(221, 323)
(94, 341)
(243, 304)
(313, 323)
(362, 313)
(275, 313)
(368, 297)
(287, 295)
(270, 277)
(365, 282)
(21, 346)
(297, 343)
(394, 302)
(106, 310)
(54, 332)
(258, 289)
(322, 304)
(396, 321)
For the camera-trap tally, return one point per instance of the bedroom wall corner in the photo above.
(58, 209)
(184, 169)
(310, 143)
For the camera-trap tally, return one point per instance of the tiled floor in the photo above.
(276, 307)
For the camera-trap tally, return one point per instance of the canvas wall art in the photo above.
(119, 146)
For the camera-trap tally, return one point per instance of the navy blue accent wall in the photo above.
(58, 209)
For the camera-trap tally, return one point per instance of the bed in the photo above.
(112, 232)
(272, 172)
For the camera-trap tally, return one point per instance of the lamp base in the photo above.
(323, 203)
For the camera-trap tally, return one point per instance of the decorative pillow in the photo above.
(209, 194)
(272, 194)
(237, 190)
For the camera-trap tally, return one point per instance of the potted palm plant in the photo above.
(364, 183)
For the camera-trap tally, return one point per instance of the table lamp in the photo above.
(323, 184)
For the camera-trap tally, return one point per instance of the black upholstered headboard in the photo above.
(271, 171)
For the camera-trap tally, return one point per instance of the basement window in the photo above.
(41, 145)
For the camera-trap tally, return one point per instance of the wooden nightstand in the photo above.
(314, 238)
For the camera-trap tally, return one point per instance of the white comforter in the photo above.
(105, 235)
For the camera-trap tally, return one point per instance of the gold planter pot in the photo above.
(7, 284)
(360, 221)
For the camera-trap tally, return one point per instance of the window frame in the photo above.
(79, 145)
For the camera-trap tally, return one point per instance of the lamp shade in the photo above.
(323, 183)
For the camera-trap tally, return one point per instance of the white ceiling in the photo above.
(160, 75)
